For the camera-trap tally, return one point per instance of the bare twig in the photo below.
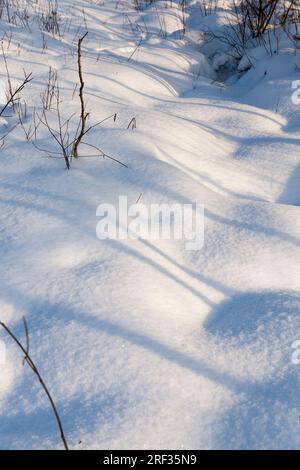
(34, 368)
(27, 339)
(104, 155)
(13, 95)
(132, 124)
(83, 115)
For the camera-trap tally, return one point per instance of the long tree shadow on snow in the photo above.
(248, 315)
(266, 413)
(291, 193)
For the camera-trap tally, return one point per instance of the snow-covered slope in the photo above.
(142, 343)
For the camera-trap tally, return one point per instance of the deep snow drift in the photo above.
(142, 343)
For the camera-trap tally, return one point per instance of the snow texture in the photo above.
(142, 343)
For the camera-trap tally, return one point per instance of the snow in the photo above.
(144, 344)
(2, 92)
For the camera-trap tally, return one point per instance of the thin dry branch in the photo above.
(13, 95)
(29, 361)
(83, 114)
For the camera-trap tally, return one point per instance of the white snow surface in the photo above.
(142, 343)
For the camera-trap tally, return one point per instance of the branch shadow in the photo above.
(291, 193)
(266, 414)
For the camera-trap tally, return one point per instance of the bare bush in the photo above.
(251, 23)
(50, 21)
(60, 133)
(207, 7)
(259, 15)
(15, 12)
(47, 95)
(66, 140)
